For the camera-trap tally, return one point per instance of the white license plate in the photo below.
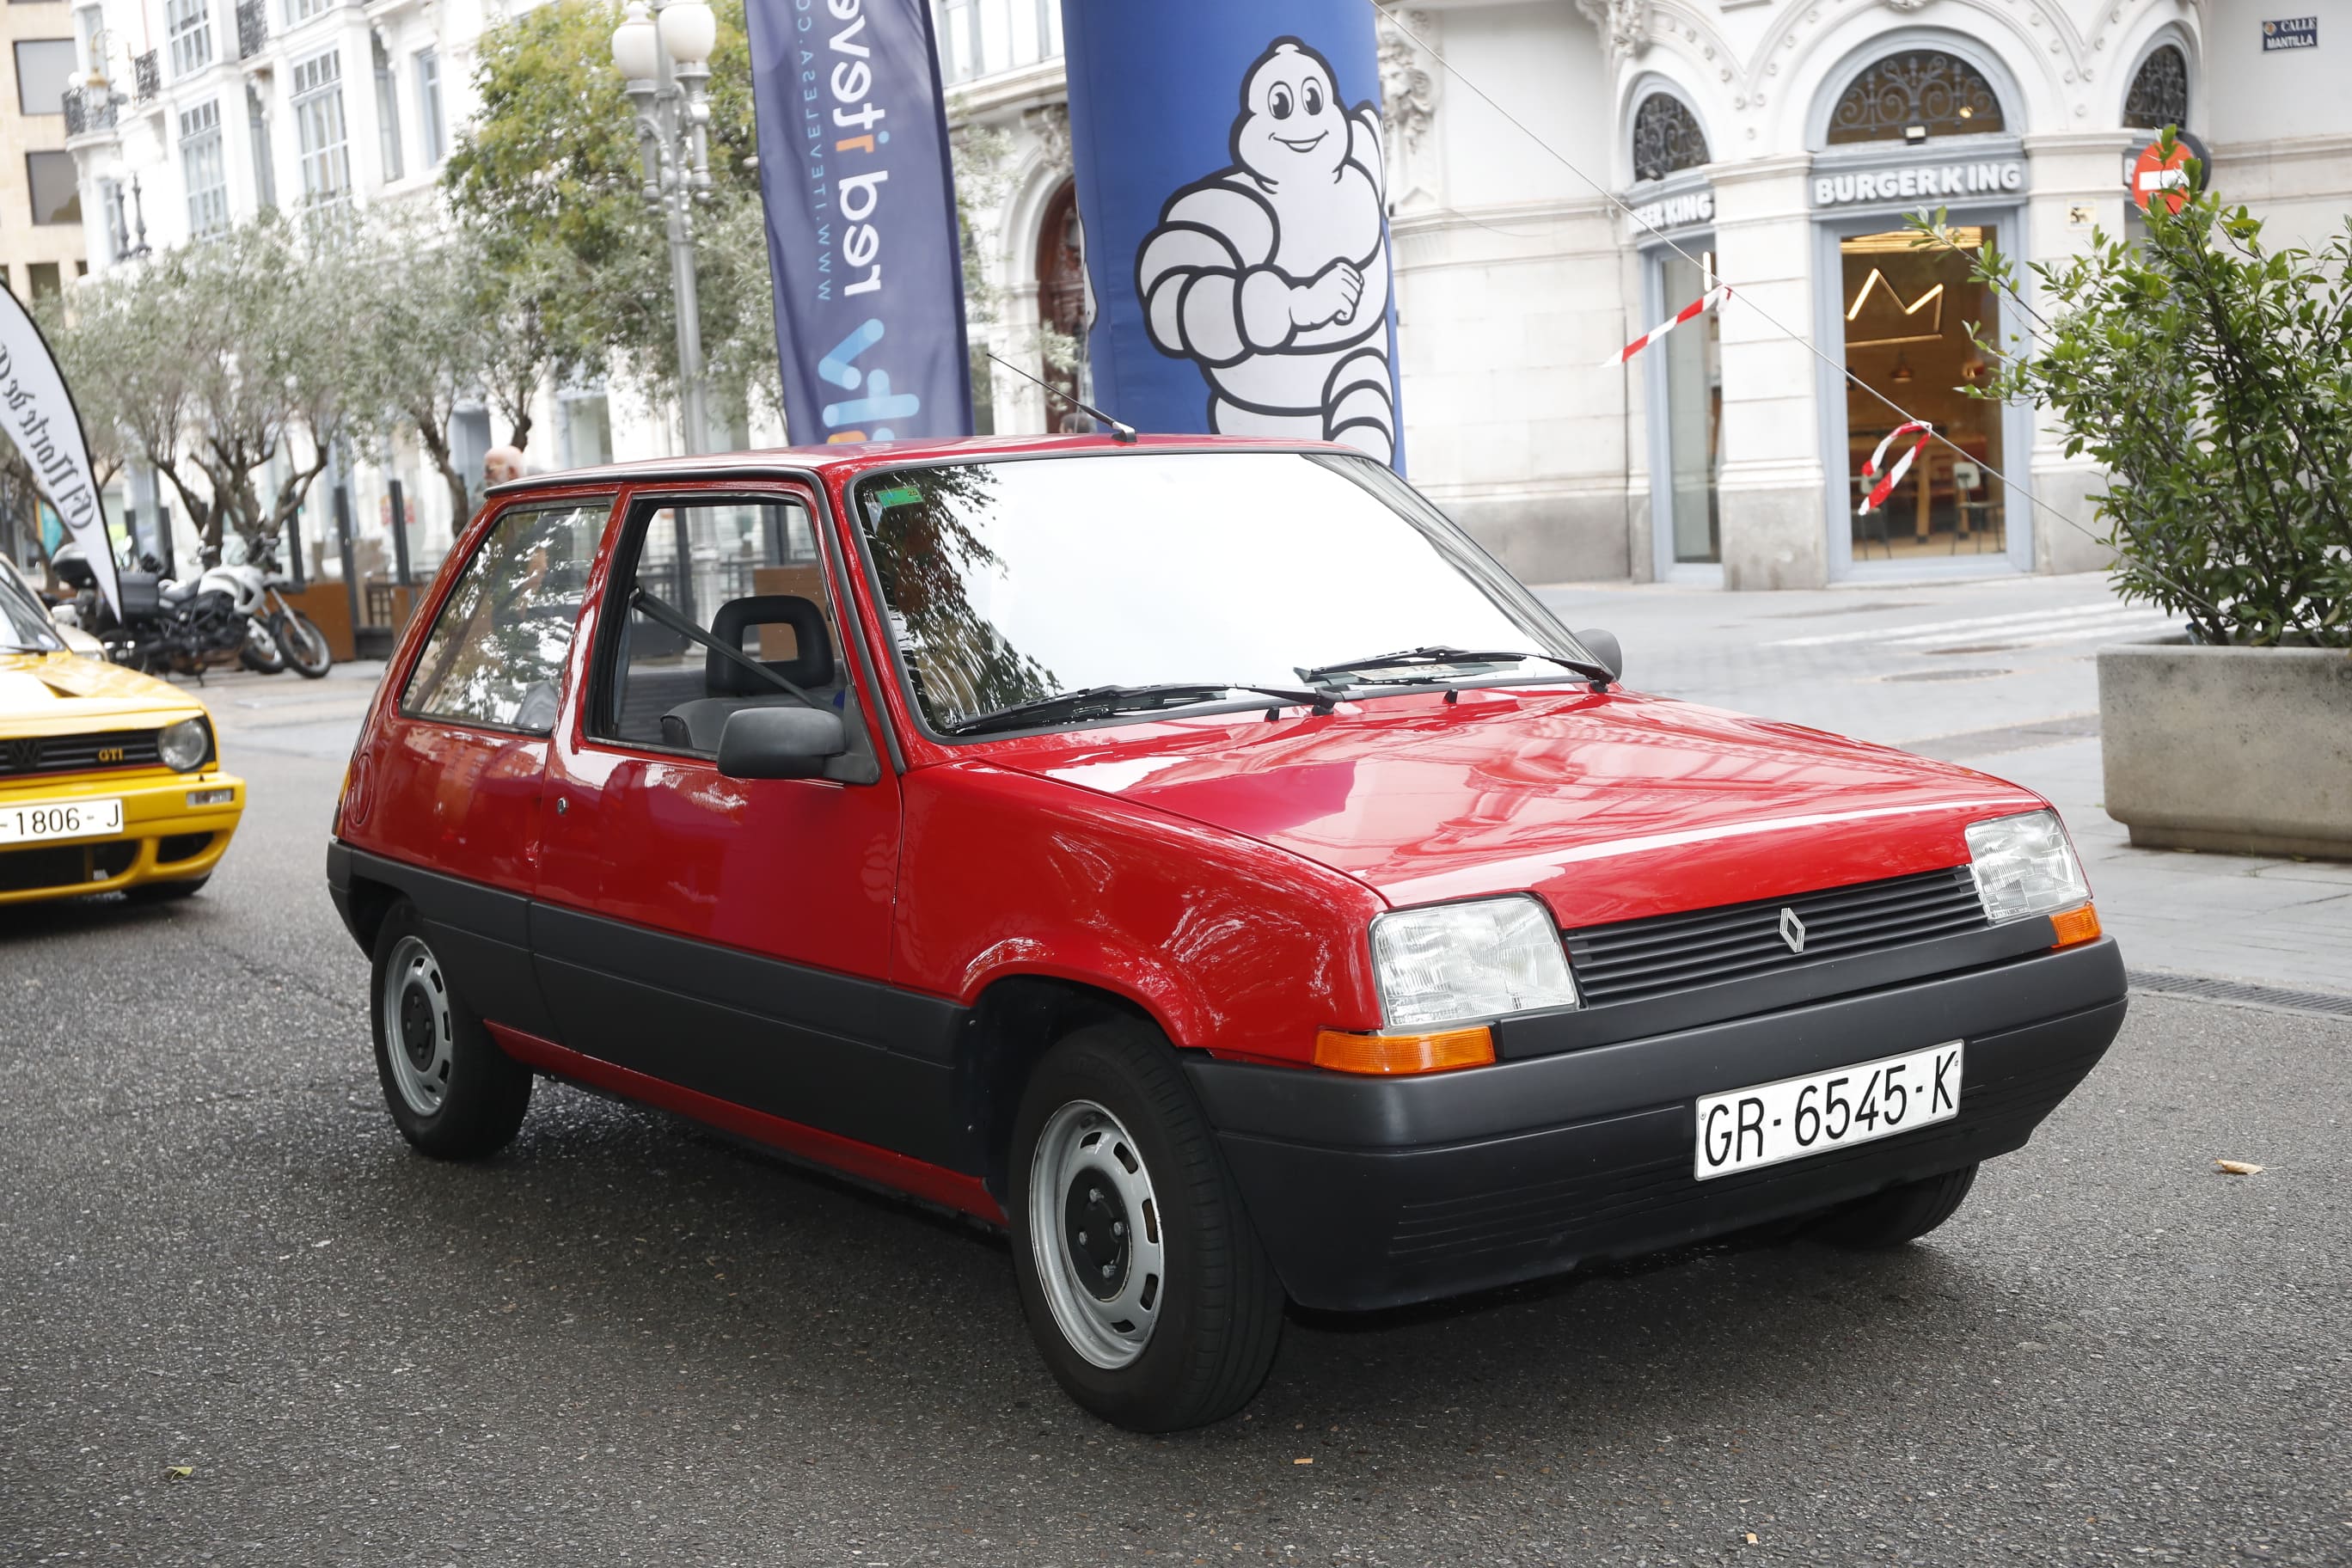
(38, 819)
(1825, 1110)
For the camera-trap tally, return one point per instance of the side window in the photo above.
(496, 655)
(747, 572)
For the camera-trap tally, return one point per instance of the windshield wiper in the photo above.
(1102, 701)
(1439, 654)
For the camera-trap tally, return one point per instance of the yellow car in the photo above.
(110, 780)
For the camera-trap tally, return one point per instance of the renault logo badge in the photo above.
(1792, 931)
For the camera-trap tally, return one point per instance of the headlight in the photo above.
(185, 745)
(1469, 960)
(2025, 866)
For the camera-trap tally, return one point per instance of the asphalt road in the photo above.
(626, 1341)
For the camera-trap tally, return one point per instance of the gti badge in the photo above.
(1792, 931)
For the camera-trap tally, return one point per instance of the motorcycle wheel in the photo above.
(303, 645)
(261, 652)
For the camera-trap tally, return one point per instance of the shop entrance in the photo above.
(1908, 314)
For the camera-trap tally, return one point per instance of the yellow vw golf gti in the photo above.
(110, 780)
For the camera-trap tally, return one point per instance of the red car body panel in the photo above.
(1610, 806)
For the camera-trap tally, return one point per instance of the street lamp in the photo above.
(665, 54)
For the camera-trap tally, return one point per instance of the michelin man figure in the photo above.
(1272, 275)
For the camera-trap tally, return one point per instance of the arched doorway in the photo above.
(1062, 305)
(1919, 129)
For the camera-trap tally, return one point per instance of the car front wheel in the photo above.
(451, 1091)
(1146, 1289)
(1898, 1215)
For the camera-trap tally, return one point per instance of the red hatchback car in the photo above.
(1197, 857)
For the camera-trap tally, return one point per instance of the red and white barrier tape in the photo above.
(1698, 307)
(1885, 486)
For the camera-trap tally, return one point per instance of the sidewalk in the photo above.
(1999, 675)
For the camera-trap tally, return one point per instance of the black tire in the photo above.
(303, 645)
(1897, 1216)
(1216, 1310)
(451, 1091)
(165, 892)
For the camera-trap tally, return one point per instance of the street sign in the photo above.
(2291, 32)
(2156, 177)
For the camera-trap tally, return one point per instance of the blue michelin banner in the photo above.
(1231, 182)
(861, 220)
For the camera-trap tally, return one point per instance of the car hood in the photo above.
(1609, 806)
(59, 692)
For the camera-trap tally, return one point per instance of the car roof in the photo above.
(850, 458)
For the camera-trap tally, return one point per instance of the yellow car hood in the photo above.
(57, 693)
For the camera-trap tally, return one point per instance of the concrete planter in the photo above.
(2244, 750)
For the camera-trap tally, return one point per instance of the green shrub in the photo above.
(2212, 379)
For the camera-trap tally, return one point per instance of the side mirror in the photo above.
(780, 743)
(1602, 646)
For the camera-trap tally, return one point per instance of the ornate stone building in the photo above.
(1778, 144)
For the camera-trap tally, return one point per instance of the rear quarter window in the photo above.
(495, 657)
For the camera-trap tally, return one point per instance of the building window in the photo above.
(205, 171)
(318, 130)
(1915, 95)
(45, 68)
(586, 424)
(188, 25)
(387, 114)
(1666, 137)
(41, 280)
(428, 107)
(1691, 364)
(55, 190)
(981, 37)
(2160, 93)
(299, 11)
(265, 165)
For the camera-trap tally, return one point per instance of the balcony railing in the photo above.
(90, 109)
(147, 75)
(252, 27)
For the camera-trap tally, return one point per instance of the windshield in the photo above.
(23, 625)
(1011, 582)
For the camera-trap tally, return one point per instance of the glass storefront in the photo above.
(1908, 312)
(1691, 361)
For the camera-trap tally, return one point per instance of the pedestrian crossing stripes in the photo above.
(2031, 629)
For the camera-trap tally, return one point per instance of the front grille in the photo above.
(63, 866)
(23, 755)
(1637, 959)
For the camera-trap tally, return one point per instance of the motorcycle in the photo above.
(182, 627)
(256, 589)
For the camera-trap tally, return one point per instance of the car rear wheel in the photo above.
(1146, 1289)
(1899, 1215)
(451, 1091)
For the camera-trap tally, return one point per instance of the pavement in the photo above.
(240, 1321)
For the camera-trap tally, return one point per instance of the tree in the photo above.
(549, 181)
(217, 362)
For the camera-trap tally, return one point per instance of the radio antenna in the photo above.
(1120, 432)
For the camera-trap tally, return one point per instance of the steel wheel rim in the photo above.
(1087, 1173)
(419, 1038)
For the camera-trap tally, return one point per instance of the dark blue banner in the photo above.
(861, 220)
(1231, 183)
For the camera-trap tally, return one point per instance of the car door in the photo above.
(731, 936)
(462, 754)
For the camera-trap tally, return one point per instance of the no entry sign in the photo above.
(2156, 177)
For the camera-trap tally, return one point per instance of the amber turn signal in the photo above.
(2076, 925)
(1442, 1052)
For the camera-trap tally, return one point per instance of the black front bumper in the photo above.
(1376, 1192)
